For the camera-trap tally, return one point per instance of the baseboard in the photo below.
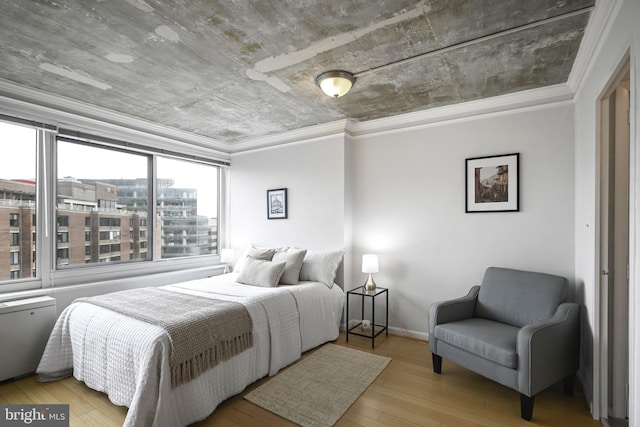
(423, 336)
(401, 332)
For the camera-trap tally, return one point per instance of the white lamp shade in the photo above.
(369, 263)
(226, 255)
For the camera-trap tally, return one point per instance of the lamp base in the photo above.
(370, 284)
(226, 269)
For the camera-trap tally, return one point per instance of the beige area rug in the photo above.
(318, 389)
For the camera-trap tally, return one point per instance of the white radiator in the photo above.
(25, 326)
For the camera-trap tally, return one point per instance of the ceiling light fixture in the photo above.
(335, 83)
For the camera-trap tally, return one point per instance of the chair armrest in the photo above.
(548, 350)
(452, 310)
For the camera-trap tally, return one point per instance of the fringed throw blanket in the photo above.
(203, 331)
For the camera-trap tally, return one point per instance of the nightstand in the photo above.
(375, 328)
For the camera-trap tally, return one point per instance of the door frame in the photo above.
(600, 405)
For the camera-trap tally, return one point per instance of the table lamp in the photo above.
(226, 256)
(370, 265)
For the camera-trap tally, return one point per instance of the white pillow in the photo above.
(321, 266)
(254, 252)
(293, 258)
(258, 272)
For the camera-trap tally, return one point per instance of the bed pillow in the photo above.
(258, 272)
(255, 252)
(321, 266)
(293, 258)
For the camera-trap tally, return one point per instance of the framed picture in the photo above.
(277, 203)
(492, 184)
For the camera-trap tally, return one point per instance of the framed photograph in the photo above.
(492, 184)
(277, 203)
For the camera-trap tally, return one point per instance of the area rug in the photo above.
(319, 388)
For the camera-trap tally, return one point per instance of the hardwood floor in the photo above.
(407, 393)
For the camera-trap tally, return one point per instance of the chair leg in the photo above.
(526, 407)
(437, 363)
(568, 384)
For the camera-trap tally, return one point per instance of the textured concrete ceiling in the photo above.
(238, 70)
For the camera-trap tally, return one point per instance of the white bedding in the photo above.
(129, 359)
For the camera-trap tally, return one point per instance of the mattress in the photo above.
(129, 359)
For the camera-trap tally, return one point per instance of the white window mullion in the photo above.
(46, 209)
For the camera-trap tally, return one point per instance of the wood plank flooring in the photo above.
(407, 393)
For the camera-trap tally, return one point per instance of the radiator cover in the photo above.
(25, 326)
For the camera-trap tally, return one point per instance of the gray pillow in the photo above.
(293, 258)
(254, 252)
(321, 266)
(261, 273)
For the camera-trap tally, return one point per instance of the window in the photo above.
(17, 199)
(103, 200)
(109, 222)
(187, 202)
(92, 186)
(110, 235)
(62, 254)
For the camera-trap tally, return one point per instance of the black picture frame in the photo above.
(277, 203)
(492, 183)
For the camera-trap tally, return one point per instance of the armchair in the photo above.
(514, 329)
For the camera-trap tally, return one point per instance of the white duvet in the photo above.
(129, 359)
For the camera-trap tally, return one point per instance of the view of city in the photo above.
(104, 215)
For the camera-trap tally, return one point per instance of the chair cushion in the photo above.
(519, 297)
(488, 339)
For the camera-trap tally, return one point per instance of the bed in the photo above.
(128, 359)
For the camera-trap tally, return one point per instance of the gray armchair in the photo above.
(514, 329)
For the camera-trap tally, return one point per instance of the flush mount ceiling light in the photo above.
(335, 83)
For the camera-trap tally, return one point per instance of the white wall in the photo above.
(408, 206)
(621, 35)
(314, 175)
(401, 195)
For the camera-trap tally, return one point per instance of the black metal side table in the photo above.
(375, 329)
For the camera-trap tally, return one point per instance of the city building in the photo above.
(101, 221)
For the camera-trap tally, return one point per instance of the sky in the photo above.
(80, 161)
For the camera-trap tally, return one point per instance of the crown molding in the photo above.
(600, 23)
(497, 105)
(296, 136)
(65, 112)
(503, 104)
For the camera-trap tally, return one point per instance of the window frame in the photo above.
(48, 274)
